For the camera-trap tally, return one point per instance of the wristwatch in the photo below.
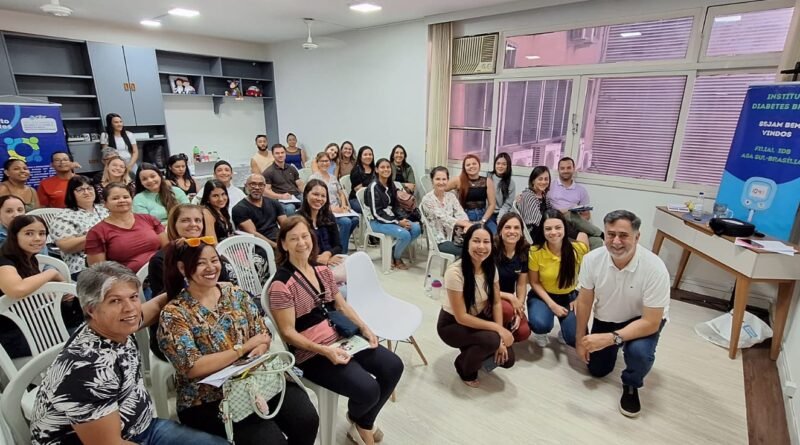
(483, 221)
(239, 349)
(617, 339)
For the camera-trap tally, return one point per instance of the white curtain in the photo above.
(440, 67)
(791, 50)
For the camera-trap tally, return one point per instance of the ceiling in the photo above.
(259, 20)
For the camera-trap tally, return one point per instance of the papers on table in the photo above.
(678, 208)
(766, 245)
(292, 200)
(222, 376)
(343, 214)
(352, 345)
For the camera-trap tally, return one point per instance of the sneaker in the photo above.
(541, 340)
(629, 402)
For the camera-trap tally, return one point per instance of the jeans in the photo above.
(639, 353)
(449, 247)
(404, 236)
(355, 205)
(167, 432)
(541, 317)
(288, 208)
(475, 215)
(346, 225)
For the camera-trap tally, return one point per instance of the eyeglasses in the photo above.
(84, 189)
(257, 185)
(195, 242)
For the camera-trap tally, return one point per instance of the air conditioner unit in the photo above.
(582, 36)
(475, 54)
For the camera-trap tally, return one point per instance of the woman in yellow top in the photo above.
(553, 266)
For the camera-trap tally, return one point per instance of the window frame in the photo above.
(490, 86)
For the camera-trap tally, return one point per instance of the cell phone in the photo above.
(245, 360)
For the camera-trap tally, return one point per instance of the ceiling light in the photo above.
(727, 19)
(184, 12)
(630, 34)
(365, 7)
(151, 23)
(532, 57)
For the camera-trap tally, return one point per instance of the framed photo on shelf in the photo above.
(181, 85)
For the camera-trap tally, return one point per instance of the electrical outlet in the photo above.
(790, 389)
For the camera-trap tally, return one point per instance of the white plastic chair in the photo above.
(327, 400)
(161, 372)
(12, 400)
(56, 264)
(347, 185)
(433, 248)
(48, 214)
(386, 241)
(143, 335)
(305, 173)
(240, 252)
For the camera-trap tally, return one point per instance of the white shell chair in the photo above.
(386, 241)
(239, 251)
(433, 248)
(56, 264)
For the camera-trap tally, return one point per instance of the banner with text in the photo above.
(31, 132)
(761, 181)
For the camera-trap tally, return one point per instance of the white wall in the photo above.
(370, 88)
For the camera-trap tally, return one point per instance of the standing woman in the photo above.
(505, 190)
(179, 175)
(471, 318)
(533, 201)
(332, 153)
(346, 161)
(120, 139)
(553, 265)
(215, 209)
(511, 257)
(70, 227)
(475, 193)
(444, 213)
(15, 174)
(155, 196)
(337, 200)
(402, 171)
(115, 171)
(295, 155)
(388, 218)
(362, 175)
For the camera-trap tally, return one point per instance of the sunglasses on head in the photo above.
(195, 242)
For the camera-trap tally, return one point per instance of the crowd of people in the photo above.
(501, 288)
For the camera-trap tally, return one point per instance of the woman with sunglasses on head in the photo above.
(553, 265)
(216, 212)
(362, 175)
(511, 258)
(402, 171)
(444, 214)
(475, 193)
(346, 160)
(15, 176)
(296, 295)
(115, 171)
(471, 318)
(179, 175)
(207, 326)
(155, 195)
(70, 227)
(505, 190)
(120, 139)
(337, 201)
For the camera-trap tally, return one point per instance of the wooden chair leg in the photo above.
(389, 345)
(419, 351)
(394, 396)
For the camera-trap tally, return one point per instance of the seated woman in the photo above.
(553, 265)
(381, 200)
(215, 209)
(154, 194)
(533, 201)
(125, 237)
(471, 318)
(475, 193)
(338, 201)
(94, 392)
(207, 326)
(11, 207)
(505, 190)
(362, 175)
(223, 172)
(346, 160)
(510, 257)
(179, 175)
(115, 171)
(15, 176)
(70, 227)
(402, 171)
(443, 213)
(367, 378)
(332, 153)
(317, 211)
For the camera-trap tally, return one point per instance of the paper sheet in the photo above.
(340, 215)
(222, 376)
(292, 200)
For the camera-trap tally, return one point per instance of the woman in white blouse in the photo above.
(70, 227)
(444, 213)
(337, 198)
(122, 140)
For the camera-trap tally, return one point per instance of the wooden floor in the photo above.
(766, 414)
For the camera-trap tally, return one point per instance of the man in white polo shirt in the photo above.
(630, 289)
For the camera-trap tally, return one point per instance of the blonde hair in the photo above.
(126, 177)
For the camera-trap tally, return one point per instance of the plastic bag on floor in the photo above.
(718, 330)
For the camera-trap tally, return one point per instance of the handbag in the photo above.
(339, 321)
(250, 393)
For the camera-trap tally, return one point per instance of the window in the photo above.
(629, 126)
(713, 115)
(653, 40)
(749, 32)
(470, 119)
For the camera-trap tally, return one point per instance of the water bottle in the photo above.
(196, 153)
(428, 286)
(437, 289)
(697, 210)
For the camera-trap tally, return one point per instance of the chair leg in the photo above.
(394, 396)
(389, 345)
(328, 403)
(427, 269)
(419, 350)
(386, 253)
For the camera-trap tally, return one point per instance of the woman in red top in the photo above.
(127, 238)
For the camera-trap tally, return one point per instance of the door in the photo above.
(6, 78)
(111, 81)
(142, 67)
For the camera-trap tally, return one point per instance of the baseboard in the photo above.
(792, 418)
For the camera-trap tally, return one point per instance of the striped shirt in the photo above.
(531, 208)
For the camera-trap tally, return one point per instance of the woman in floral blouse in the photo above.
(71, 226)
(206, 327)
(443, 212)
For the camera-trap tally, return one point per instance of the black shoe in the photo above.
(373, 241)
(629, 402)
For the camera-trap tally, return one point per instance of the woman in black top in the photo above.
(215, 212)
(475, 193)
(362, 175)
(179, 175)
(511, 259)
(316, 209)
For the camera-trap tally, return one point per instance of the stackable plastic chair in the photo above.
(386, 241)
(56, 264)
(239, 250)
(433, 248)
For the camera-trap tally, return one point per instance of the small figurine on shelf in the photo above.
(233, 89)
(253, 91)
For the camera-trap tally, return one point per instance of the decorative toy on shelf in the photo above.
(234, 89)
(253, 91)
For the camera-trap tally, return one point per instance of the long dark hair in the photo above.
(112, 142)
(187, 175)
(26, 264)
(352, 156)
(165, 195)
(463, 179)
(522, 246)
(221, 214)
(281, 254)
(174, 281)
(74, 182)
(505, 178)
(7, 165)
(568, 270)
(389, 182)
(324, 216)
(405, 155)
(468, 270)
(360, 154)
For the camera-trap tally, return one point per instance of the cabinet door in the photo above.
(6, 78)
(146, 87)
(111, 81)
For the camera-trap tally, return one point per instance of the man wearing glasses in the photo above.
(53, 190)
(256, 214)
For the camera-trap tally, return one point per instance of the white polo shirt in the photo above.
(620, 295)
